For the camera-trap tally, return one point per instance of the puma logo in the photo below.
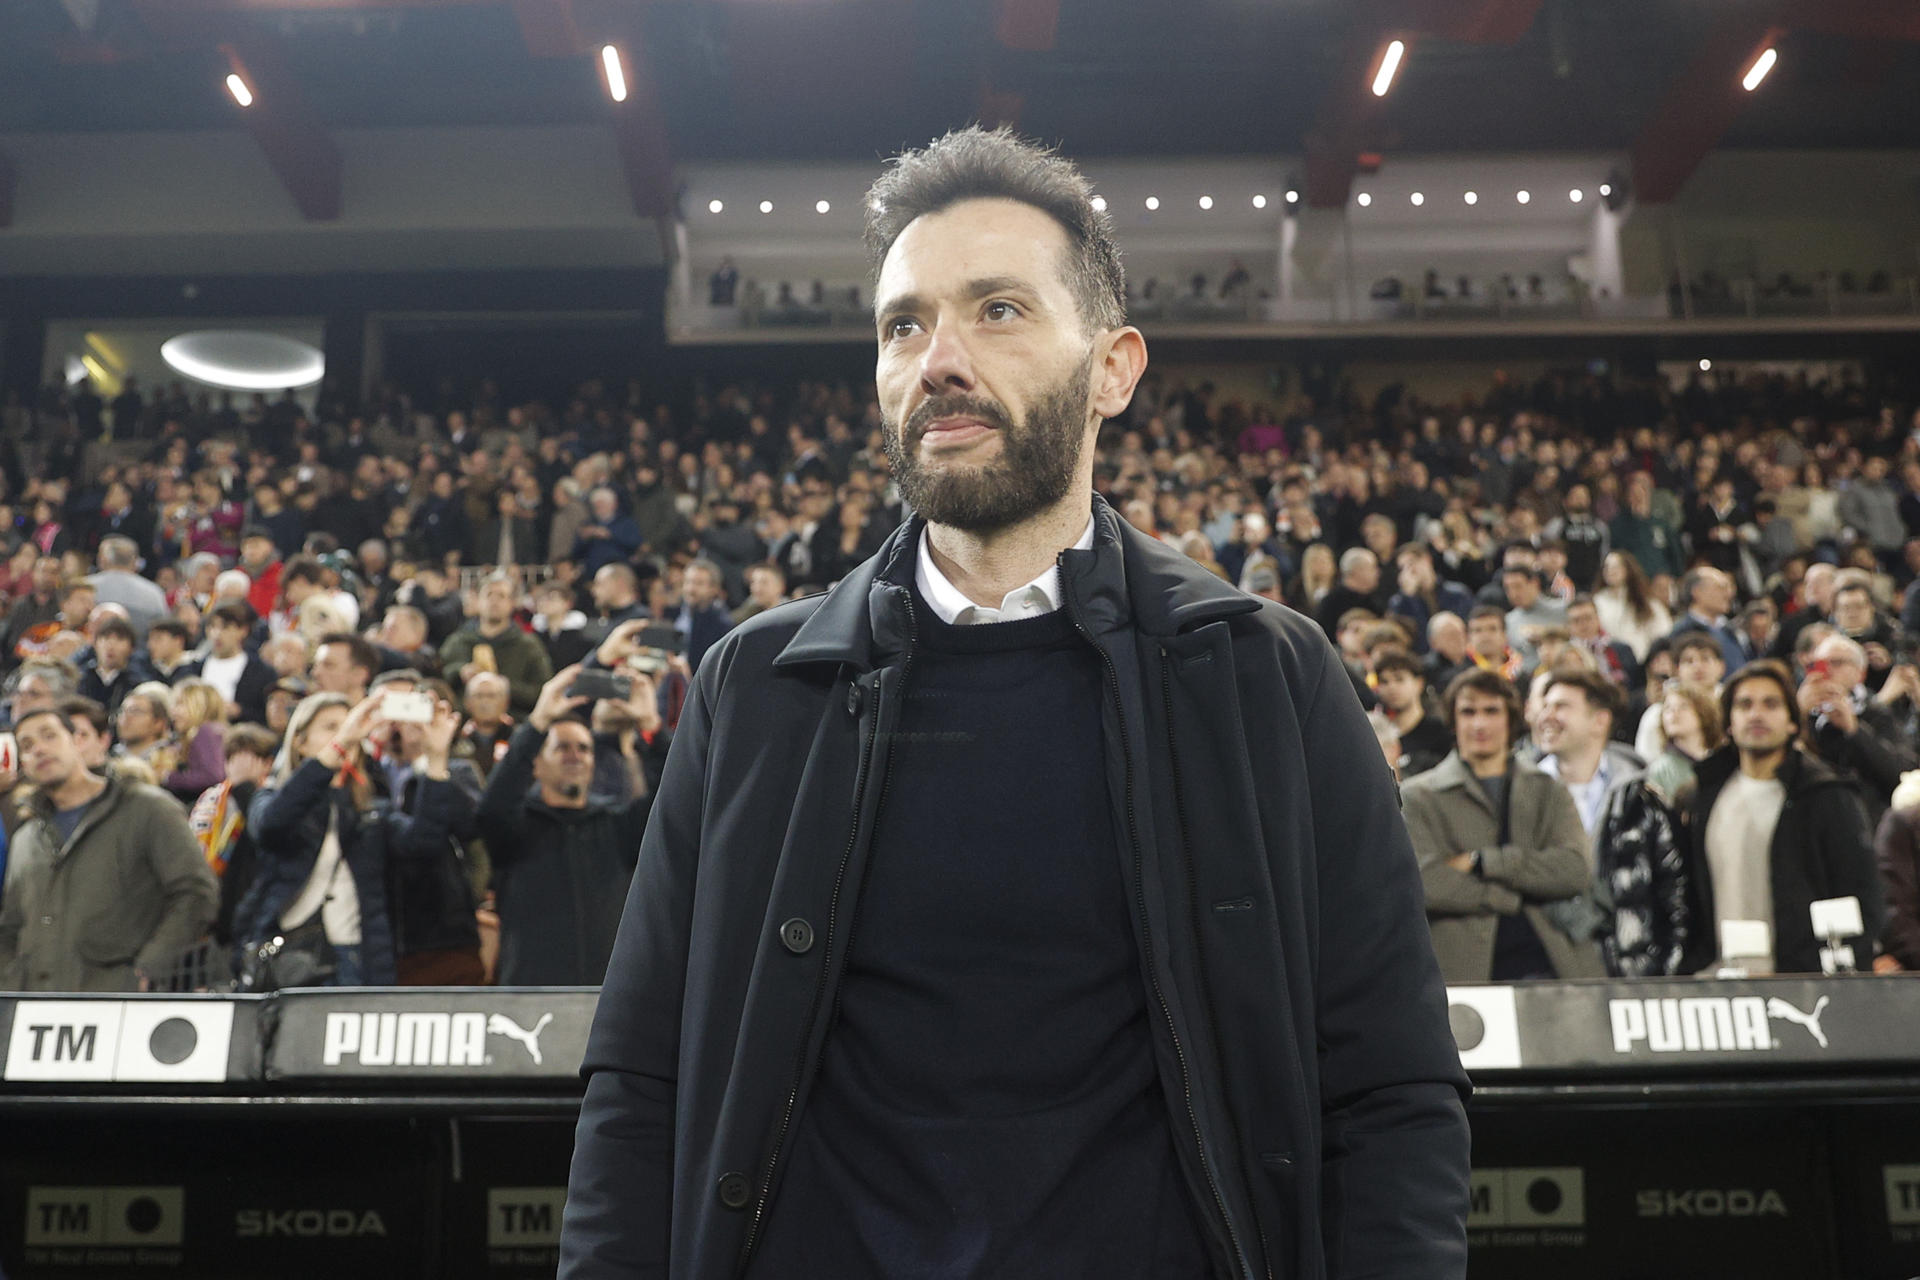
(1778, 1008)
(501, 1025)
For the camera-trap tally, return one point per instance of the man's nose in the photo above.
(946, 364)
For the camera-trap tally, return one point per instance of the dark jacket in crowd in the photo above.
(122, 898)
(1641, 869)
(110, 696)
(1897, 845)
(517, 655)
(1298, 1016)
(289, 824)
(1871, 758)
(559, 875)
(1822, 848)
(430, 897)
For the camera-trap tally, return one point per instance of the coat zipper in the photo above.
(1193, 904)
(1146, 935)
(826, 947)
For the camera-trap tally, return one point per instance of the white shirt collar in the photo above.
(1041, 596)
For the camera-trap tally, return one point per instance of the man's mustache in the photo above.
(953, 406)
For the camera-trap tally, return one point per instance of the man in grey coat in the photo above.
(106, 886)
(1503, 857)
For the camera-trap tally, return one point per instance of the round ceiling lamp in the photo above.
(238, 360)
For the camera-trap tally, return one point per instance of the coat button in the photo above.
(735, 1190)
(855, 697)
(797, 936)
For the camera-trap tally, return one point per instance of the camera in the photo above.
(603, 685)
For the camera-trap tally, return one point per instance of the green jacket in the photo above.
(519, 655)
(123, 898)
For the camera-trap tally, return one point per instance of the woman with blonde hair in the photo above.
(1318, 571)
(324, 835)
(1690, 729)
(197, 759)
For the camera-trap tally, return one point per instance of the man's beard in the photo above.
(1038, 461)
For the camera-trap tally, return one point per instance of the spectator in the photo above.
(1653, 543)
(144, 724)
(326, 842)
(108, 669)
(610, 537)
(1870, 509)
(1855, 734)
(287, 693)
(1400, 680)
(1586, 538)
(1359, 588)
(1611, 658)
(494, 642)
(91, 731)
(119, 582)
(563, 629)
(1487, 646)
(1708, 595)
(260, 561)
(1529, 610)
(39, 685)
(487, 726)
(1698, 660)
(1817, 600)
(703, 616)
(167, 643)
(344, 663)
(241, 678)
(1897, 849)
(1422, 594)
(219, 820)
(1755, 629)
(559, 856)
(1691, 729)
(402, 644)
(197, 757)
(1447, 651)
(436, 937)
(616, 599)
(1628, 611)
(1773, 830)
(289, 654)
(630, 743)
(105, 885)
(32, 614)
(1502, 853)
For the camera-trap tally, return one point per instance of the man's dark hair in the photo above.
(1601, 693)
(1494, 685)
(985, 164)
(1352, 616)
(114, 625)
(360, 652)
(58, 713)
(170, 626)
(233, 612)
(1761, 669)
(79, 708)
(255, 739)
(1397, 659)
(1697, 640)
(303, 569)
(1488, 611)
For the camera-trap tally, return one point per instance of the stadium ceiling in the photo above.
(839, 80)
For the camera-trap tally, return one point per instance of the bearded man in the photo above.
(1034, 903)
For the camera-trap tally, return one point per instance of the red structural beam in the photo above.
(549, 28)
(1698, 109)
(302, 153)
(1026, 26)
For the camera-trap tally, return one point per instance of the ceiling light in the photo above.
(1576, 195)
(1606, 189)
(1706, 366)
(1099, 204)
(1472, 197)
(1389, 63)
(240, 360)
(821, 206)
(616, 75)
(1364, 199)
(238, 88)
(1153, 202)
(1293, 197)
(1758, 71)
(1418, 199)
(766, 206)
(1523, 196)
(1259, 202)
(714, 206)
(1206, 202)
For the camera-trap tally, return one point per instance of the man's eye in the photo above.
(1001, 311)
(902, 327)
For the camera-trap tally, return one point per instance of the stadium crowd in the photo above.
(1643, 657)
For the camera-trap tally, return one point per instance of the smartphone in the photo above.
(1819, 669)
(660, 635)
(407, 708)
(604, 685)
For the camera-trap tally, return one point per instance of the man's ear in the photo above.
(1120, 359)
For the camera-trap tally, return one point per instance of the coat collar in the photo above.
(1125, 578)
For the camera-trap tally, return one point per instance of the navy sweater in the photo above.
(987, 1103)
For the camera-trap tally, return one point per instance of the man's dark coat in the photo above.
(1300, 1027)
